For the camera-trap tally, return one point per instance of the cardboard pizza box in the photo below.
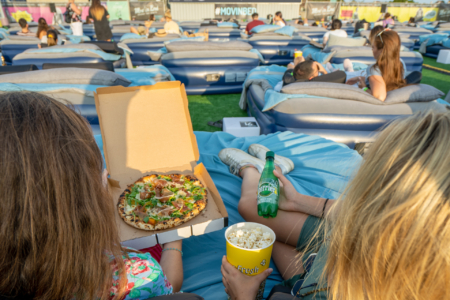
(148, 130)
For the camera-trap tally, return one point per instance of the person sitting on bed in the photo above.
(388, 73)
(52, 39)
(336, 30)
(385, 238)
(309, 70)
(59, 235)
(24, 31)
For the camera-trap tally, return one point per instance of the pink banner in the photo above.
(32, 14)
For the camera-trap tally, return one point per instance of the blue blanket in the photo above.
(145, 75)
(103, 55)
(45, 87)
(322, 168)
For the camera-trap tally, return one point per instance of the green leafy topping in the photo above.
(198, 197)
(146, 219)
(176, 214)
(190, 205)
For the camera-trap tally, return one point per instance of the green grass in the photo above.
(438, 80)
(213, 108)
(432, 62)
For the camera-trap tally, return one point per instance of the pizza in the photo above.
(158, 202)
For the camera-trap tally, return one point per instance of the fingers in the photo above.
(281, 177)
(263, 276)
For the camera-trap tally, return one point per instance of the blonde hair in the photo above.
(97, 10)
(390, 235)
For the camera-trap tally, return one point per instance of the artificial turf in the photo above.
(215, 107)
(204, 109)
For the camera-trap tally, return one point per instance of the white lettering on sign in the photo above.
(236, 11)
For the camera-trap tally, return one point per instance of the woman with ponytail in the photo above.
(42, 30)
(388, 73)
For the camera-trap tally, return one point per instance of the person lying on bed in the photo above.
(308, 70)
(385, 238)
(58, 231)
(388, 73)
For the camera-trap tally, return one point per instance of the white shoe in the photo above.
(348, 65)
(286, 165)
(236, 159)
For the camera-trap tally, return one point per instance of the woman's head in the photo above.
(42, 26)
(52, 38)
(152, 17)
(412, 20)
(56, 216)
(97, 10)
(391, 231)
(386, 50)
(336, 24)
(278, 16)
(387, 16)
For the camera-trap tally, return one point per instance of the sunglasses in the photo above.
(379, 35)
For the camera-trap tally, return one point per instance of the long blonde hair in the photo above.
(97, 10)
(57, 220)
(390, 235)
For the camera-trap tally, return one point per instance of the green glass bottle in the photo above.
(268, 189)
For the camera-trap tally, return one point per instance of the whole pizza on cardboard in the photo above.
(158, 202)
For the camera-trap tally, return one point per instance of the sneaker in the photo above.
(348, 65)
(236, 159)
(286, 165)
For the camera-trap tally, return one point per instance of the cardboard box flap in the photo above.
(146, 129)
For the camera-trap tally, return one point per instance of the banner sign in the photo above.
(118, 10)
(236, 1)
(140, 11)
(444, 12)
(371, 13)
(31, 12)
(235, 11)
(327, 11)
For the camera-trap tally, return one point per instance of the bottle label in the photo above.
(268, 192)
(266, 189)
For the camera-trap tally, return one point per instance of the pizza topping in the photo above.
(145, 195)
(164, 211)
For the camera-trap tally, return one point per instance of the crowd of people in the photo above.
(385, 238)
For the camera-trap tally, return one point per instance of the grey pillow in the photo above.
(334, 40)
(208, 46)
(68, 76)
(414, 93)
(330, 90)
(411, 93)
(444, 25)
(347, 49)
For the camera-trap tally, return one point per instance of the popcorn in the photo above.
(250, 238)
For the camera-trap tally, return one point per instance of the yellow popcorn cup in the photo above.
(250, 261)
(298, 54)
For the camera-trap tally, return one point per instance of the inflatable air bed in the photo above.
(433, 51)
(190, 26)
(140, 47)
(413, 32)
(364, 54)
(13, 47)
(312, 32)
(79, 53)
(221, 33)
(275, 48)
(338, 112)
(77, 86)
(210, 67)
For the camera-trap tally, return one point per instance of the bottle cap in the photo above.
(270, 154)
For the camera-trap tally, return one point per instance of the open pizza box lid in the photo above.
(148, 130)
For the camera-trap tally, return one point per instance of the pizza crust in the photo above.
(131, 220)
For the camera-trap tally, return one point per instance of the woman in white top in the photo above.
(74, 16)
(278, 19)
(335, 30)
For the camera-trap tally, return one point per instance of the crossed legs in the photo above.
(287, 225)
